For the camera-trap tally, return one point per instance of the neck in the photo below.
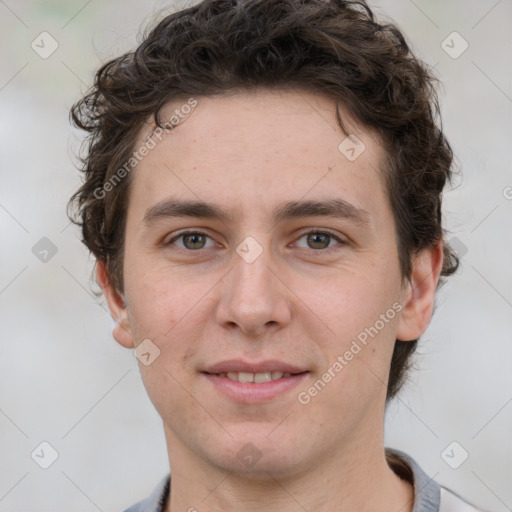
(357, 479)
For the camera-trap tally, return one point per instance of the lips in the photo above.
(252, 383)
(263, 367)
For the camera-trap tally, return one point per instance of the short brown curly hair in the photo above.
(332, 47)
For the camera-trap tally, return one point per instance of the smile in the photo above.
(254, 377)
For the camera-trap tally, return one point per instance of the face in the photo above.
(276, 302)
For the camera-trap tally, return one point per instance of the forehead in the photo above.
(258, 148)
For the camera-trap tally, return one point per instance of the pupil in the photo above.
(194, 239)
(314, 238)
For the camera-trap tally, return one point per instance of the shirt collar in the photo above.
(427, 492)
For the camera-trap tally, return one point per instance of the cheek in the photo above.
(352, 299)
(171, 310)
(165, 311)
(167, 389)
(151, 313)
(158, 298)
(355, 316)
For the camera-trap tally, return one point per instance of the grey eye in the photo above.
(319, 240)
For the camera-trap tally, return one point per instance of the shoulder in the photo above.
(451, 502)
(156, 501)
(429, 496)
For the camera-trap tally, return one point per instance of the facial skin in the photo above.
(302, 302)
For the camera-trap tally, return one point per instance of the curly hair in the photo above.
(332, 47)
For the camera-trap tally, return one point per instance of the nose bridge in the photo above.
(253, 296)
(252, 278)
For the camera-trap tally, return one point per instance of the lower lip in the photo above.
(251, 392)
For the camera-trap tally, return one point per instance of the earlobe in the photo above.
(116, 303)
(418, 297)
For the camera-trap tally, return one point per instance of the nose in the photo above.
(254, 298)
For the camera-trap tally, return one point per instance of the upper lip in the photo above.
(238, 365)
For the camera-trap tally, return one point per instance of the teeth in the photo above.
(254, 377)
(262, 377)
(245, 377)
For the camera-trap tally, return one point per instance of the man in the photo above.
(263, 196)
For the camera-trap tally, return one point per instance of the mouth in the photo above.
(254, 377)
(251, 383)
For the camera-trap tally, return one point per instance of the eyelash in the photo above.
(311, 231)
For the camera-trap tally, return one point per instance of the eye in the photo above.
(320, 239)
(196, 240)
(191, 240)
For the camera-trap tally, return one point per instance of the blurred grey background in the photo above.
(66, 382)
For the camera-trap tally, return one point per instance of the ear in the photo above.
(122, 330)
(418, 298)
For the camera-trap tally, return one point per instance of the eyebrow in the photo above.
(334, 207)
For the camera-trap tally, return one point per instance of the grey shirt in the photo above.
(429, 496)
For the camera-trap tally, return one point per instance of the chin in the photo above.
(259, 457)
